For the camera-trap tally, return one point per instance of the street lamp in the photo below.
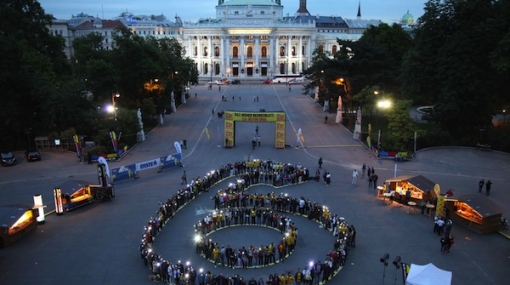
(382, 104)
(115, 94)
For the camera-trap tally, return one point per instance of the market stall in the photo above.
(477, 212)
(15, 222)
(420, 188)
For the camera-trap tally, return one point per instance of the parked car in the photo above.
(235, 82)
(8, 158)
(267, 81)
(32, 155)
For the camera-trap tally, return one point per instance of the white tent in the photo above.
(428, 275)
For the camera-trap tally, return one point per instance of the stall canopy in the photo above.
(479, 203)
(72, 186)
(417, 180)
(428, 274)
(11, 214)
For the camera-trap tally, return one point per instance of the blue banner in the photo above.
(124, 173)
(170, 161)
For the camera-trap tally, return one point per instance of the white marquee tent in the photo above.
(428, 274)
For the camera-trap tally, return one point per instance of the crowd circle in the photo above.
(249, 173)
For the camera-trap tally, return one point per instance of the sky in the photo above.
(388, 11)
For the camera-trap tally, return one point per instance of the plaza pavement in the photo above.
(98, 244)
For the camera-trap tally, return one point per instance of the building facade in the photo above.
(247, 39)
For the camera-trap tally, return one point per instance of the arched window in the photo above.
(250, 51)
(205, 51)
(217, 69)
(195, 51)
(294, 68)
(264, 52)
(282, 68)
(294, 51)
(282, 51)
(206, 68)
(217, 51)
(235, 52)
(302, 50)
(333, 49)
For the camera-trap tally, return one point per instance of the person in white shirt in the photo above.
(354, 176)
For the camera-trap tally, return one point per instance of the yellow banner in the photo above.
(255, 116)
(440, 206)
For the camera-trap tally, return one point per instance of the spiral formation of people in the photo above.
(235, 207)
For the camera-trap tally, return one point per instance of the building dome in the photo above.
(407, 19)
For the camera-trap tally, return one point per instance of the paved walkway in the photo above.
(97, 244)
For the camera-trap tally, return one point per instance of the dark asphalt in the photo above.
(98, 244)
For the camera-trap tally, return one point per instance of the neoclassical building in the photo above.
(246, 38)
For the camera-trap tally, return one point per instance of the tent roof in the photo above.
(72, 186)
(10, 214)
(417, 180)
(428, 274)
(480, 203)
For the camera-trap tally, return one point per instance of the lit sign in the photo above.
(249, 31)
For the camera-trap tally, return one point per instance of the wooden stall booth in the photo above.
(476, 212)
(420, 187)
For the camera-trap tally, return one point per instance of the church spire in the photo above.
(302, 9)
(359, 10)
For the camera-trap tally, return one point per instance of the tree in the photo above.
(401, 126)
(452, 64)
(32, 63)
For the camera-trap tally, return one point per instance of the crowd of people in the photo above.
(236, 206)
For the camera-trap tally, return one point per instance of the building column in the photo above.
(300, 54)
(257, 53)
(222, 57)
(241, 50)
(271, 56)
(210, 54)
(199, 57)
(309, 48)
(190, 48)
(277, 56)
(289, 56)
(227, 54)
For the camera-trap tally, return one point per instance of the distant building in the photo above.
(246, 39)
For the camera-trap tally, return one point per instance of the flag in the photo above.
(113, 137)
(78, 145)
(207, 134)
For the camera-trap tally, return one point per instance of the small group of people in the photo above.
(487, 184)
(255, 141)
(443, 228)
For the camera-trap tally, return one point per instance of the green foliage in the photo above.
(458, 63)
(401, 126)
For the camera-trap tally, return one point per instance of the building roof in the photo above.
(480, 203)
(419, 181)
(249, 2)
(98, 23)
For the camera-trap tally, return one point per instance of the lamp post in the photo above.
(382, 104)
(341, 82)
(115, 94)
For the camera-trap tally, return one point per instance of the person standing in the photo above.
(354, 177)
(488, 187)
(480, 185)
(364, 168)
(320, 162)
(374, 179)
(325, 119)
(184, 180)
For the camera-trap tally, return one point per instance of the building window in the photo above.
(293, 51)
(321, 48)
(282, 51)
(262, 12)
(250, 51)
(302, 50)
(293, 68)
(283, 37)
(333, 49)
(235, 52)
(264, 51)
(205, 51)
(236, 12)
(216, 51)
(206, 68)
(264, 37)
